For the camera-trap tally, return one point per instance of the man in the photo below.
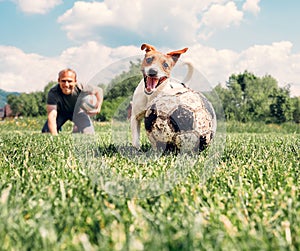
(62, 104)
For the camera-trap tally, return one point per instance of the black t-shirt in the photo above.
(64, 103)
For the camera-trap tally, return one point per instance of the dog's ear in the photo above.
(176, 54)
(148, 47)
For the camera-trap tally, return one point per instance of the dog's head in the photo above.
(156, 66)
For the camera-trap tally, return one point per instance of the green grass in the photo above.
(52, 200)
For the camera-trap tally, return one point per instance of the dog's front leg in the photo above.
(135, 131)
(139, 102)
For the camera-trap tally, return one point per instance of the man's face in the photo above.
(67, 82)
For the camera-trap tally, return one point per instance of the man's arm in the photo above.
(52, 115)
(99, 95)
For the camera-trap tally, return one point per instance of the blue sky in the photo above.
(38, 38)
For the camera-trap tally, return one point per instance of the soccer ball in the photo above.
(88, 102)
(184, 122)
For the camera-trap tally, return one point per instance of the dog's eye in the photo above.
(165, 65)
(149, 60)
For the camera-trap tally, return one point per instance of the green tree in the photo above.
(27, 104)
(281, 109)
(296, 110)
(216, 97)
(250, 98)
(118, 93)
(15, 103)
(258, 95)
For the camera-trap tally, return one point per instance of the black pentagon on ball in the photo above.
(150, 119)
(182, 119)
(166, 147)
(202, 143)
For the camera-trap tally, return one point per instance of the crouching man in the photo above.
(62, 104)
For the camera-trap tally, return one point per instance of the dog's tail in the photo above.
(190, 71)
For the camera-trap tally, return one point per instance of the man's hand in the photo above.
(94, 112)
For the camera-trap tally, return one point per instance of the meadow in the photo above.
(53, 196)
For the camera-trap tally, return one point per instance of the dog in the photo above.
(156, 69)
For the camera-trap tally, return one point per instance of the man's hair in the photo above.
(67, 70)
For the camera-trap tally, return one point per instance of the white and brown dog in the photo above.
(156, 69)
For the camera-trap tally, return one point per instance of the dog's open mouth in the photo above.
(152, 82)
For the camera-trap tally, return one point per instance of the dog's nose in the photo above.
(152, 72)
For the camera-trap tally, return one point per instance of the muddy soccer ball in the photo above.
(184, 122)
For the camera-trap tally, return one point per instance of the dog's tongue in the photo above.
(151, 83)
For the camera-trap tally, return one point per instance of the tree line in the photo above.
(245, 98)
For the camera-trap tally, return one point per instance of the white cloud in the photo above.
(37, 6)
(252, 6)
(25, 72)
(137, 19)
(31, 72)
(91, 57)
(81, 21)
(222, 16)
(276, 60)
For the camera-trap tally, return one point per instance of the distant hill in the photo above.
(3, 95)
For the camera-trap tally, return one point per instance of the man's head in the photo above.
(67, 81)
